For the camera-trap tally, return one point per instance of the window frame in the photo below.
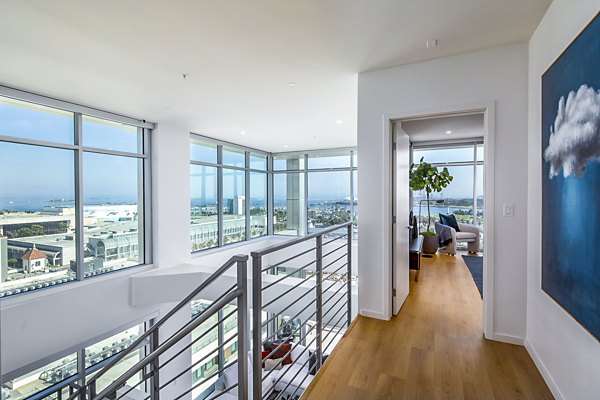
(474, 144)
(306, 171)
(270, 172)
(78, 149)
(79, 351)
(247, 170)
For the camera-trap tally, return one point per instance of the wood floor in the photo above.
(434, 349)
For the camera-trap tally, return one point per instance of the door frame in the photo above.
(488, 111)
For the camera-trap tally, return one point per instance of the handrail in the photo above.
(209, 312)
(179, 306)
(152, 333)
(293, 242)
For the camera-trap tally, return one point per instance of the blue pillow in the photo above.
(449, 220)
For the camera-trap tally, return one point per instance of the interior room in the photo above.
(299, 200)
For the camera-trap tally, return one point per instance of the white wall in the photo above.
(497, 75)
(567, 356)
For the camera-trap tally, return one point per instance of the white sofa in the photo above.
(277, 380)
(468, 233)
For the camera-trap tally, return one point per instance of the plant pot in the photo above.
(430, 244)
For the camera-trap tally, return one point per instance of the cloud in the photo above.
(575, 135)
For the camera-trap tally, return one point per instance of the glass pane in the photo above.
(229, 332)
(37, 217)
(258, 162)
(40, 379)
(288, 163)
(109, 347)
(205, 355)
(480, 202)
(288, 197)
(204, 208)
(328, 199)
(234, 157)
(258, 204)
(113, 212)
(234, 206)
(443, 155)
(456, 199)
(32, 121)
(355, 160)
(355, 200)
(329, 161)
(203, 151)
(120, 368)
(480, 153)
(111, 135)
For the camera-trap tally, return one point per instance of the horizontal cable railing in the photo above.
(146, 372)
(294, 287)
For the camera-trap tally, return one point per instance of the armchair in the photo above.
(468, 233)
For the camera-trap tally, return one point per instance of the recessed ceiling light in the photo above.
(292, 84)
(339, 121)
(285, 146)
(242, 132)
(448, 132)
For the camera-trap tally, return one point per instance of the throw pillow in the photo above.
(265, 354)
(282, 352)
(273, 364)
(449, 220)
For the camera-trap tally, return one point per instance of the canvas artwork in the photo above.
(571, 179)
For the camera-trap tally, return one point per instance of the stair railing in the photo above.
(317, 292)
(149, 367)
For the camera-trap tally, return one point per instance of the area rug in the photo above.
(475, 265)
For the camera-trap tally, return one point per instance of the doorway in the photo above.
(459, 141)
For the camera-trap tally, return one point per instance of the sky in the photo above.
(48, 173)
(36, 172)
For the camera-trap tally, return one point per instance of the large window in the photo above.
(228, 193)
(239, 193)
(53, 377)
(74, 193)
(464, 196)
(322, 194)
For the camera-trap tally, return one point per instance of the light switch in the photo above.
(507, 210)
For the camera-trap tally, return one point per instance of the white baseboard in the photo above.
(545, 374)
(373, 314)
(501, 337)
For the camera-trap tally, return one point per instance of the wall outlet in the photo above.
(508, 210)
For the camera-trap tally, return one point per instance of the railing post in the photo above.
(242, 322)
(319, 294)
(92, 386)
(349, 262)
(257, 326)
(154, 368)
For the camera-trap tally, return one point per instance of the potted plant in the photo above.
(427, 177)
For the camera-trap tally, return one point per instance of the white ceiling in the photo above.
(434, 129)
(128, 57)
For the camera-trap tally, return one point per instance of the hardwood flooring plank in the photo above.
(433, 349)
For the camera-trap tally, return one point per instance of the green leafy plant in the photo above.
(427, 177)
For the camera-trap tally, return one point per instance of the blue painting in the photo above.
(571, 179)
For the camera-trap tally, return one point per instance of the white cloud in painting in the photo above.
(575, 135)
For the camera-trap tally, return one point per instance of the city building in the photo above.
(33, 261)
(223, 197)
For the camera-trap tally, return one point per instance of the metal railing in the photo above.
(148, 368)
(306, 286)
